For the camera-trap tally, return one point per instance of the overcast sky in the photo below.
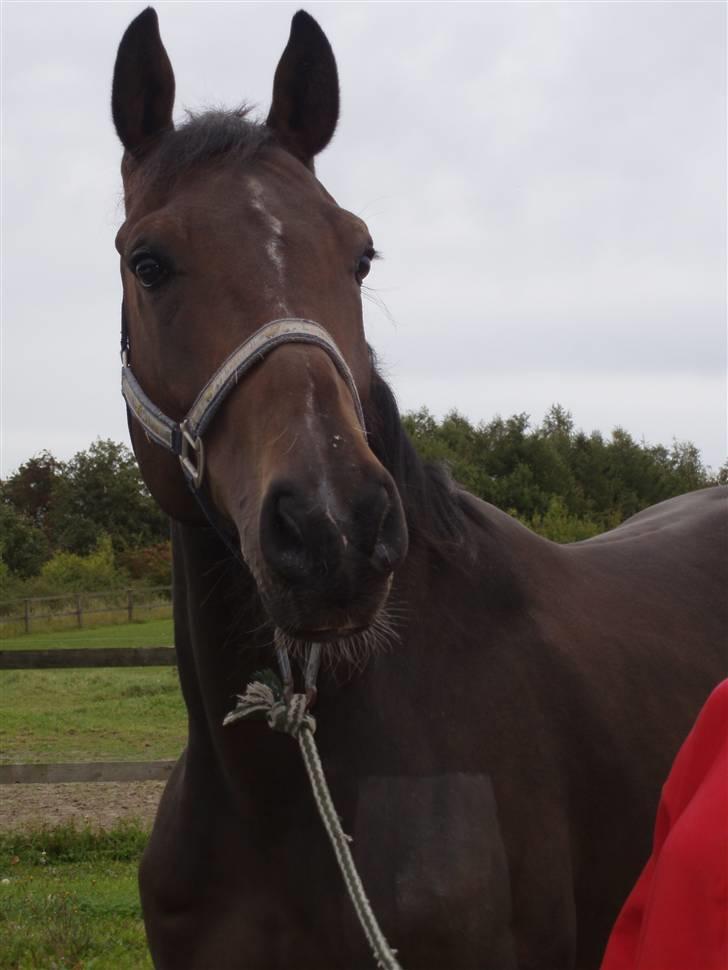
(546, 181)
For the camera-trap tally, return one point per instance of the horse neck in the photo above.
(219, 624)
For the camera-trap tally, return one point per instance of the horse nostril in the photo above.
(302, 540)
(288, 528)
(282, 537)
(382, 558)
(390, 542)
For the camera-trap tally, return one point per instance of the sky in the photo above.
(546, 182)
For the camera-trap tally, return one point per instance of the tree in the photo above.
(23, 546)
(557, 423)
(102, 492)
(30, 490)
(560, 481)
(686, 466)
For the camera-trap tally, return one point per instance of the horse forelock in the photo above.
(205, 136)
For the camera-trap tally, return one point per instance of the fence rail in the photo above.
(85, 771)
(65, 657)
(126, 602)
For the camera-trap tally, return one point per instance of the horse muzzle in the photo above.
(328, 569)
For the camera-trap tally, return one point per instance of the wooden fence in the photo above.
(85, 771)
(126, 603)
(88, 657)
(120, 771)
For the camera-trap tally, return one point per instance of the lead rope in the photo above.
(264, 698)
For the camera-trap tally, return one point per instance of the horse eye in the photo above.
(363, 267)
(148, 271)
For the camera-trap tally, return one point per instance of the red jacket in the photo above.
(676, 917)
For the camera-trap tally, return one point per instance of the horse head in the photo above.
(228, 229)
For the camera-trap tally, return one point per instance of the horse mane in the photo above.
(431, 498)
(203, 137)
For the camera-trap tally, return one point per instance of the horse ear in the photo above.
(142, 94)
(305, 105)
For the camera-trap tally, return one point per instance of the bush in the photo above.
(67, 572)
(559, 526)
(151, 566)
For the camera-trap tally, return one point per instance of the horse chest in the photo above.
(432, 861)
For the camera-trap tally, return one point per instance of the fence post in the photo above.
(130, 604)
(79, 609)
(26, 616)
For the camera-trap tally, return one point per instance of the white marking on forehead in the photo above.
(273, 245)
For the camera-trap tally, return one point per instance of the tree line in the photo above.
(562, 482)
(90, 523)
(85, 524)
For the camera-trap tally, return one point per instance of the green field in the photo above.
(69, 897)
(69, 900)
(149, 633)
(97, 714)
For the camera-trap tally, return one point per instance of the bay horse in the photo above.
(496, 712)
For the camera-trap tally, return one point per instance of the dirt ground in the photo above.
(100, 804)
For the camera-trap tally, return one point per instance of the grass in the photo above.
(145, 633)
(103, 714)
(69, 899)
(57, 614)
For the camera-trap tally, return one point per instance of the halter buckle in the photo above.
(192, 444)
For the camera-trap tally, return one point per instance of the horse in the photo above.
(496, 713)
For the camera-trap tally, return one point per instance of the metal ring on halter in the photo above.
(191, 443)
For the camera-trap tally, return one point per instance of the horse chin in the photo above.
(350, 647)
(348, 637)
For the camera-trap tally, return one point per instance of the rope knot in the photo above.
(264, 698)
(290, 718)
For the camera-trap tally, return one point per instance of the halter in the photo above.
(184, 438)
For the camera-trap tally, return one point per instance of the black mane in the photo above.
(203, 137)
(431, 498)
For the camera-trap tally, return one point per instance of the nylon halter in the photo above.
(184, 438)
